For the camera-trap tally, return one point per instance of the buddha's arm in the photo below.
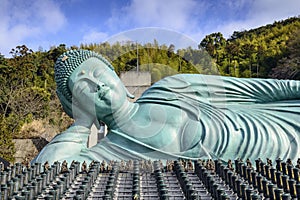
(69, 145)
(261, 90)
(220, 89)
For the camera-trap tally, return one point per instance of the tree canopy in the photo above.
(256, 52)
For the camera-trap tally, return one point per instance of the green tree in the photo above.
(212, 43)
(2, 60)
(55, 52)
(289, 66)
(249, 54)
(6, 143)
(232, 51)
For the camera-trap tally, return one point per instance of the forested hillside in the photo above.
(267, 51)
(27, 78)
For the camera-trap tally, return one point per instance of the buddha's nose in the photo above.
(101, 87)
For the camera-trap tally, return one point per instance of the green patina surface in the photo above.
(188, 116)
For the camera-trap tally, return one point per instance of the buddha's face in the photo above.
(96, 88)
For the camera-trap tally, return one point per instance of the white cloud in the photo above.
(167, 14)
(268, 11)
(52, 18)
(22, 20)
(181, 16)
(94, 37)
(259, 13)
(199, 18)
(171, 14)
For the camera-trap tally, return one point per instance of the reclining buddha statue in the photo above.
(188, 116)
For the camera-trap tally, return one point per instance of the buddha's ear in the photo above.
(128, 94)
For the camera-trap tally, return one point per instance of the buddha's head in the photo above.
(86, 82)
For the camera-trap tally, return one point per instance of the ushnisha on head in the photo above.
(65, 65)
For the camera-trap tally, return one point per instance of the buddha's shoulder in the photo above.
(160, 111)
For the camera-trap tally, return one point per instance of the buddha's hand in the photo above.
(68, 144)
(84, 119)
(79, 112)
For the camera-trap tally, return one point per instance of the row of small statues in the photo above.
(147, 165)
(269, 163)
(144, 165)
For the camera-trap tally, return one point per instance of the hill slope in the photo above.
(254, 53)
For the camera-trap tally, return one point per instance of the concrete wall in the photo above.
(136, 82)
(133, 78)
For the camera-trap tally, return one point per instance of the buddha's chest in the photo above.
(163, 127)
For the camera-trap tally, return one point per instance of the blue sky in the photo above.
(45, 23)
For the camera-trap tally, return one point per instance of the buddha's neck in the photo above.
(121, 116)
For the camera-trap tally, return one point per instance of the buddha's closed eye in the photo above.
(97, 72)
